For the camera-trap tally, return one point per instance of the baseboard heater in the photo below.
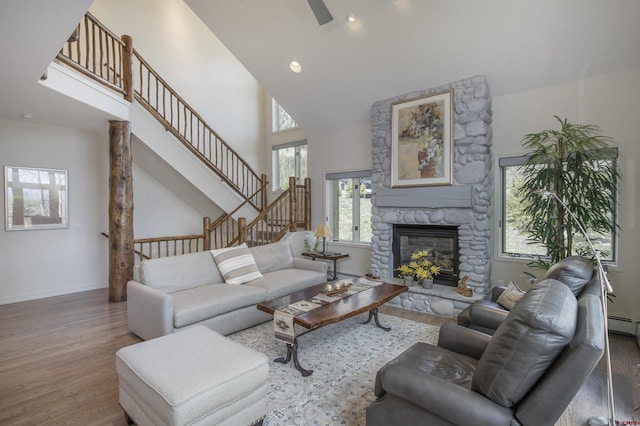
(623, 325)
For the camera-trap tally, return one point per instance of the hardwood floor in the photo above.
(58, 360)
(57, 364)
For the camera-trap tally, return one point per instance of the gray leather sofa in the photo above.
(173, 293)
(574, 271)
(527, 373)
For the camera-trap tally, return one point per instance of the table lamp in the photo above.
(324, 231)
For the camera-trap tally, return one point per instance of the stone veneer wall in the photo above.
(434, 205)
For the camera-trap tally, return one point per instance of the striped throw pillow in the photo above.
(236, 264)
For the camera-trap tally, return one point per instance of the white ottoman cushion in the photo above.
(185, 377)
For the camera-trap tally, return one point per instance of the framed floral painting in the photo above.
(422, 141)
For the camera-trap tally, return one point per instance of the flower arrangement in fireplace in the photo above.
(420, 267)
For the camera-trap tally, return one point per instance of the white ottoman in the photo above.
(192, 377)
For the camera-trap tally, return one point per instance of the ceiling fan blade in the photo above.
(320, 11)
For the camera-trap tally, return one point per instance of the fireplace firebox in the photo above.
(440, 241)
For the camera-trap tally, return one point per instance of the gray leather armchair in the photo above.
(525, 374)
(486, 315)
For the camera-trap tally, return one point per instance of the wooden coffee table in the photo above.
(355, 304)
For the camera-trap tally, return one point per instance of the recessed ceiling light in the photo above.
(295, 66)
(27, 115)
(351, 18)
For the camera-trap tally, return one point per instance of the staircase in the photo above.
(168, 125)
(98, 53)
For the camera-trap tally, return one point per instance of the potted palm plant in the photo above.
(578, 165)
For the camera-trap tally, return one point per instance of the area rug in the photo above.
(344, 358)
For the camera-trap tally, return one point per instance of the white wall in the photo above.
(158, 211)
(345, 149)
(35, 264)
(42, 263)
(173, 40)
(165, 203)
(611, 101)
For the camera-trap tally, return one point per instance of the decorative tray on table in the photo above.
(334, 290)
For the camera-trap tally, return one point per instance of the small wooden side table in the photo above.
(327, 256)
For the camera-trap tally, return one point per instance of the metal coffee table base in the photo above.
(374, 314)
(292, 348)
(292, 352)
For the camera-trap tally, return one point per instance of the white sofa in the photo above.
(172, 293)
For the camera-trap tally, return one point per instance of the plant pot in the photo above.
(426, 170)
(427, 283)
(408, 281)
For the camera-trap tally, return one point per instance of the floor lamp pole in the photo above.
(605, 288)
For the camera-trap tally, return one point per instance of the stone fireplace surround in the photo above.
(466, 204)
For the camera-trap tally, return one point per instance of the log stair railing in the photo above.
(98, 53)
(290, 211)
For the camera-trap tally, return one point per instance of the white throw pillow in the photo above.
(236, 264)
(510, 295)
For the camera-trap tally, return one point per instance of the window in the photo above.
(281, 119)
(513, 235)
(289, 160)
(349, 205)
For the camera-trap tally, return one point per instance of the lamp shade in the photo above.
(323, 231)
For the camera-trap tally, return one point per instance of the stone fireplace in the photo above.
(465, 205)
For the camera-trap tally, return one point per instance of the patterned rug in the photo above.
(344, 358)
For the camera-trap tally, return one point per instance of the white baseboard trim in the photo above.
(51, 293)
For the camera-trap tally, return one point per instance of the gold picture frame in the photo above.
(35, 198)
(422, 141)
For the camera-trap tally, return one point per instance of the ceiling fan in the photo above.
(320, 11)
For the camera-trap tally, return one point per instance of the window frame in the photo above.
(276, 185)
(276, 111)
(332, 212)
(518, 160)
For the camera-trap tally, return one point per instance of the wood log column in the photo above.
(121, 252)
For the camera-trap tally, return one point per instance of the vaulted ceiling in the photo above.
(31, 34)
(399, 46)
(395, 47)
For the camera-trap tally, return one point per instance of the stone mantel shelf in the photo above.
(426, 197)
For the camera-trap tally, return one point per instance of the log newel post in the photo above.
(206, 233)
(127, 68)
(263, 194)
(242, 230)
(293, 204)
(307, 204)
(121, 250)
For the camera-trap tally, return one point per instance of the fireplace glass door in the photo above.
(440, 241)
